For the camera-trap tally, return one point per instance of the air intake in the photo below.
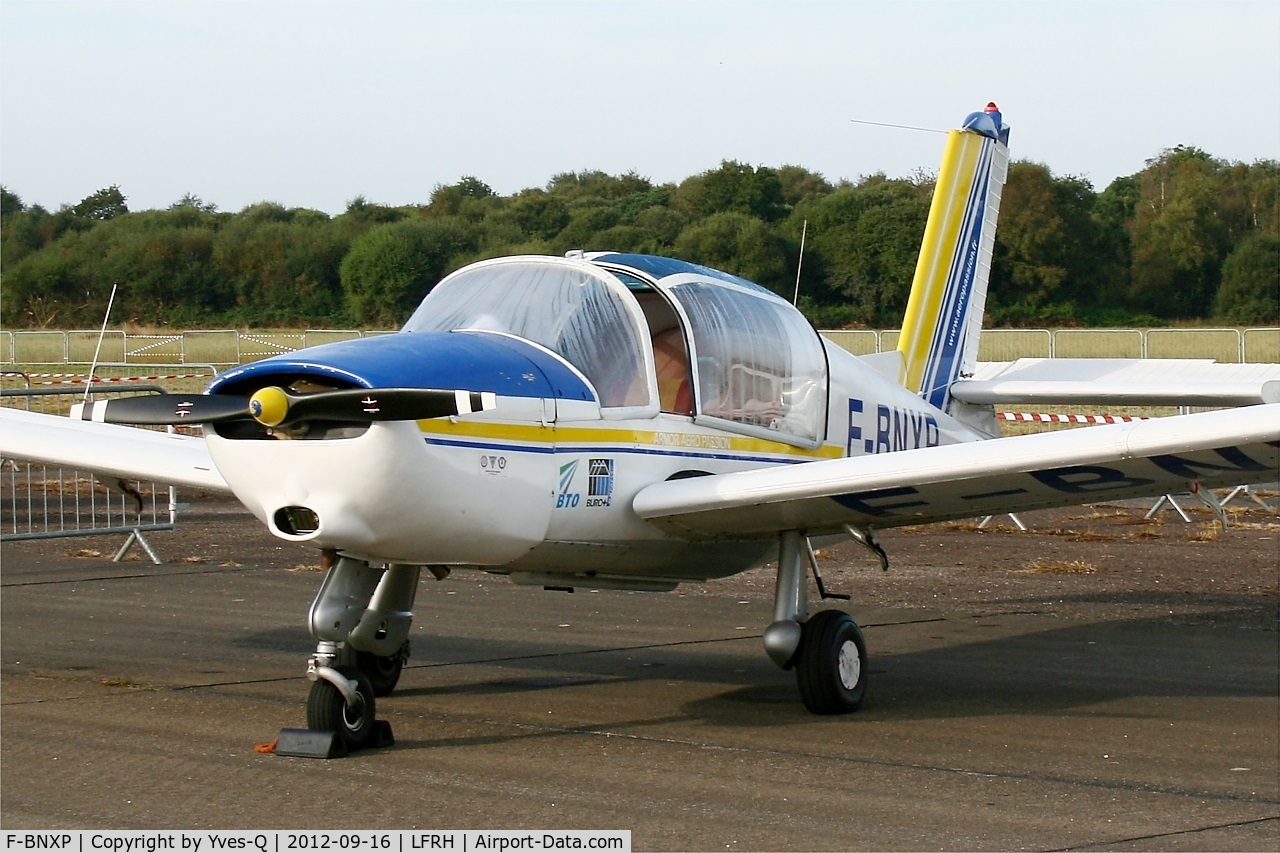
(296, 520)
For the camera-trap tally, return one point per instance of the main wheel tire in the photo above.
(383, 671)
(831, 663)
(327, 710)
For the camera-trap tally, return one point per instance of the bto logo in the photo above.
(599, 484)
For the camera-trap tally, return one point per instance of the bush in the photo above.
(391, 267)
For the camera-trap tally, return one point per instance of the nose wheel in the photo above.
(353, 719)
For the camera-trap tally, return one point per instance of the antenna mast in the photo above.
(804, 231)
(101, 334)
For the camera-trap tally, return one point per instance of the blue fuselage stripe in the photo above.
(607, 448)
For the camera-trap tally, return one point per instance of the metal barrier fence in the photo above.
(1227, 346)
(220, 347)
(43, 502)
(177, 378)
(226, 347)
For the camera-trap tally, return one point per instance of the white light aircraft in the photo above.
(608, 420)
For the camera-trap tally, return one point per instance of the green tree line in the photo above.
(1190, 238)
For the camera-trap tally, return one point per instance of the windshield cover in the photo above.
(759, 362)
(581, 313)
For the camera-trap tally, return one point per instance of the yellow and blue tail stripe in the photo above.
(940, 331)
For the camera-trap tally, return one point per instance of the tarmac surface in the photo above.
(1088, 685)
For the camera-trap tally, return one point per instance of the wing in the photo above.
(1013, 474)
(1121, 381)
(117, 451)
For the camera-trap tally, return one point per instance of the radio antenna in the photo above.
(800, 262)
(897, 126)
(101, 334)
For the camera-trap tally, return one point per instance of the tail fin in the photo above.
(940, 331)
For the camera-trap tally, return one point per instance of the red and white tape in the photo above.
(82, 378)
(1047, 418)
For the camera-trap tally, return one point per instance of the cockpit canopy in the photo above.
(744, 359)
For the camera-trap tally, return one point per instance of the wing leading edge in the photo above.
(119, 451)
(1013, 474)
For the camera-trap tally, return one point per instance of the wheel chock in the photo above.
(382, 736)
(308, 743)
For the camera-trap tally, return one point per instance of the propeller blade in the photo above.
(164, 409)
(272, 406)
(276, 407)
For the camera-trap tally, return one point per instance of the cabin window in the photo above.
(758, 363)
(579, 312)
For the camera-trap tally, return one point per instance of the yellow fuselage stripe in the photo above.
(674, 440)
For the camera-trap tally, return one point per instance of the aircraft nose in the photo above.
(391, 488)
(389, 495)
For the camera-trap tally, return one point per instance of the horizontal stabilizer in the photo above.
(888, 363)
(1121, 382)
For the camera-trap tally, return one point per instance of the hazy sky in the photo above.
(311, 104)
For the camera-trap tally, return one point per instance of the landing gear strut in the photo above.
(360, 619)
(826, 650)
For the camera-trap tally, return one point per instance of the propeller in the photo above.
(276, 407)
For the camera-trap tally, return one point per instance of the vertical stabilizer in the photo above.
(940, 331)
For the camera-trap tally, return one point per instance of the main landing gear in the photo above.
(826, 650)
(360, 619)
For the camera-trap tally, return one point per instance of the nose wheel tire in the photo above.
(831, 663)
(327, 710)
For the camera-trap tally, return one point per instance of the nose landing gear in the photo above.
(360, 619)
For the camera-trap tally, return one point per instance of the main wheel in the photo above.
(383, 671)
(831, 663)
(328, 711)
